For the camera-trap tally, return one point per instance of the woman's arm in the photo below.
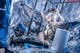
(61, 18)
(43, 15)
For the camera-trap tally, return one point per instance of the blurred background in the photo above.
(69, 9)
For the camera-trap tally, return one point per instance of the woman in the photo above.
(51, 22)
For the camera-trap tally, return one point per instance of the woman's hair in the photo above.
(51, 10)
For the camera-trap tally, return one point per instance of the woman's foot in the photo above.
(47, 42)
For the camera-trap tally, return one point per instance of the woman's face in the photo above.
(50, 17)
